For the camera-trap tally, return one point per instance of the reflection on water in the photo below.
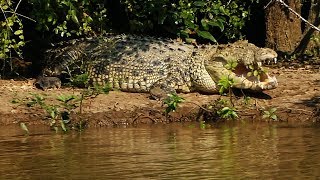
(162, 152)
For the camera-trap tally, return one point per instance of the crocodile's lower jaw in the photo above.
(265, 82)
(269, 83)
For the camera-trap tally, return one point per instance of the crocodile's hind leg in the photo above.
(45, 83)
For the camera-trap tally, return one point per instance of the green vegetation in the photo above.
(315, 50)
(228, 113)
(79, 17)
(270, 114)
(189, 19)
(254, 72)
(24, 127)
(172, 102)
(225, 84)
(51, 21)
(11, 31)
(60, 114)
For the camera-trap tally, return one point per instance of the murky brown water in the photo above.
(162, 152)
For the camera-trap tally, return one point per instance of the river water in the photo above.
(174, 151)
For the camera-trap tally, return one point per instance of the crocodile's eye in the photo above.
(266, 55)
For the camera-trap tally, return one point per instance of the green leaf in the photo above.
(53, 114)
(75, 19)
(266, 113)
(24, 127)
(234, 114)
(65, 98)
(56, 129)
(225, 109)
(221, 90)
(272, 110)
(50, 18)
(199, 3)
(21, 43)
(63, 126)
(215, 23)
(274, 117)
(18, 32)
(206, 35)
(184, 14)
(204, 24)
(5, 7)
(191, 40)
(190, 24)
(185, 33)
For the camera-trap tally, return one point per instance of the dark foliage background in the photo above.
(32, 25)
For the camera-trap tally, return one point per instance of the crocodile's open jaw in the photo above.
(253, 77)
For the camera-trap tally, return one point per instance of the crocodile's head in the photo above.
(242, 62)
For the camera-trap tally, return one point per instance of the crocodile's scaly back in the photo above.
(133, 63)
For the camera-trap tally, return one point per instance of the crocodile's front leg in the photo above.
(198, 80)
(201, 80)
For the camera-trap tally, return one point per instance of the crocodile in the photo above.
(135, 63)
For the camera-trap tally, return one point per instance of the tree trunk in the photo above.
(283, 28)
(310, 42)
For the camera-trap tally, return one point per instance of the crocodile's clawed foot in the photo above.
(45, 83)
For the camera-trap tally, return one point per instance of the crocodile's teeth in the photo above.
(275, 60)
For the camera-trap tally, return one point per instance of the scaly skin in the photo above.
(144, 64)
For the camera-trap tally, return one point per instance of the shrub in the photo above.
(11, 33)
(189, 19)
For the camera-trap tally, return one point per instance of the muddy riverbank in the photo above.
(297, 100)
